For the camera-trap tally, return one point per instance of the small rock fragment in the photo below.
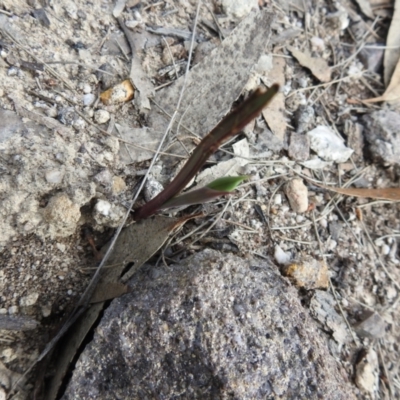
(355, 139)
(29, 300)
(101, 116)
(62, 214)
(328, 145)
(281, 257)
(303, 118)
(67, 116)
(373, 326)
(322, 307)
(367, 376)
(383, 136)
(107, 214)
(88, 99)
(152, 188)
(118, 185)
(41, 16)
(54, 176)
(297, 195)
(104, 177)
(299, 147)
(238, 8)
(308, 273)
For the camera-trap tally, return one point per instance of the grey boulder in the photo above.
(215, 326)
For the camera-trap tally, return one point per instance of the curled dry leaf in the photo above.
(318, 66)
(392, 93)
(392, 52)
(382, 194)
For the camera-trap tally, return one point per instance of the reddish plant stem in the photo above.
(231, 125)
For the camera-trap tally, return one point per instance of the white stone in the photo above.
(101, 116)
(86, 89)
(317, 43)
(61, 247)
(88, 99)
(281, 257)
(54, 176)
(29, 300)
(278, 199)
(13, 310)
(328, 145)
(238, 8)
(103, 207)
(385, 250)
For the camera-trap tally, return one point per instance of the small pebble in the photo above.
(52, 112)
(317, 44)
(103, 207)
(152, 188)
(13, 310)
(54, 176)
(373, 326)
(88, 99)
(385, 250)
(281, 257)
(278, 199)
(87, 89)
(299, 147)
(323, 222)
(101, 116)
(328, 146)
(29, 300)
(367, 373)
(297, 195)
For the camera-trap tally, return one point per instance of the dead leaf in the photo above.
(274, 114)
(382, 194)
(365, 7)
(136, 244)
(392, 93)
(318, 66)
(392, 54)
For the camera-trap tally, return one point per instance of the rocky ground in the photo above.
(72, 156)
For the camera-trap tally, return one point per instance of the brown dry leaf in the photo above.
(392, 93)
(392, 54)
(318, 66)
(382, 194)
(274, 114)
(136, 244)
(365, 7)
(120, 93)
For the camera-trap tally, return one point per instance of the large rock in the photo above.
(383, 136)
(214, 327)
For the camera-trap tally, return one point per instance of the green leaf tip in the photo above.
(227, 183)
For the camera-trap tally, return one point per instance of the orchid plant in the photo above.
(230, 126)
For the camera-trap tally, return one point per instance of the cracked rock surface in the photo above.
(213, 327)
